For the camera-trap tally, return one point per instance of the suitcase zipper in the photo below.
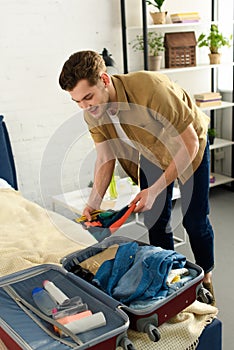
(27, 308)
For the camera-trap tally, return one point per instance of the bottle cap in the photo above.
(36, 290)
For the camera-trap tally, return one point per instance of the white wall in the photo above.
(36, 38)
(52, 149)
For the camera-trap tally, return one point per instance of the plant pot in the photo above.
(214, 58)
(158, 17)
(155, 62)
(211, 139)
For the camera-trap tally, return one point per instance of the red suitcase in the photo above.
(146, 320)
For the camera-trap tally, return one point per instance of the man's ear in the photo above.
(105, 78)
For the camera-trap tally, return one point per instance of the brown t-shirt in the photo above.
(152, 110)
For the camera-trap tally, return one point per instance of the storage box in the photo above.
(180, 49)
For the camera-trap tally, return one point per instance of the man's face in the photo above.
(92, 98)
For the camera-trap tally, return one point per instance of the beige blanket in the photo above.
(29, 235)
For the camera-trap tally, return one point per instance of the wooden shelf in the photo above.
(219, 143)
(223, 105)
(174, 25)
(221, 179)
(197, 67)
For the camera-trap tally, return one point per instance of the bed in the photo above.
(31, 235)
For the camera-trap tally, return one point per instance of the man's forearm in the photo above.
(177, 166)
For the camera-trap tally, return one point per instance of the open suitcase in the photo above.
(145, 320)
(21, 328)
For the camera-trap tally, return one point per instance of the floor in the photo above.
(222, 218)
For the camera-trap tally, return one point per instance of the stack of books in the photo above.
(208, 99)
(185, 17)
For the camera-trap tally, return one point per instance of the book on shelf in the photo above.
(185, 21)
(186, 17)
(208, 103)
(211, 100)
(207, 96)
(184, 14)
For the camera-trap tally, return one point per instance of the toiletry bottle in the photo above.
(43, 300)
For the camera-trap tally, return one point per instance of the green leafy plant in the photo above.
(212, 132)
(156, 3)
(214, 40)
(211, 135)
(155, 42)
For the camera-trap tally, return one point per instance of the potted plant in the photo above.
(214, 41)
(159, 17)
(211, 135)
(155, 43)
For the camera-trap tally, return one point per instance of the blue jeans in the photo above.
(195, 210)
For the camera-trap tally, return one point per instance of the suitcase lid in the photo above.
(23, 282)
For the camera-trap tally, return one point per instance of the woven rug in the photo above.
(180, 332)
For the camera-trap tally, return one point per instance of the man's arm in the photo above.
(104, 168)
(188, 145)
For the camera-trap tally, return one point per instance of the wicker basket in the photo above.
(180, 49)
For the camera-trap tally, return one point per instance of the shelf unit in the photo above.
(196, 68)
(219, 143)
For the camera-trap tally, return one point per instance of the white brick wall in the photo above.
(36, 38)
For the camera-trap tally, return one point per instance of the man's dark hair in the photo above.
(81, 65)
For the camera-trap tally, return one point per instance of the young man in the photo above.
(158, 134)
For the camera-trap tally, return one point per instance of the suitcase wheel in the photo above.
(149, 325)
(152, 332)
(126, 344)
(205, 296)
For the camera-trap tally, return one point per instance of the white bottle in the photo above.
(44, 301)
(55, 292)
(86, 324)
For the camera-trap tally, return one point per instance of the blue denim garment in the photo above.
(145, 304)
(110, 272)
(135, 276)
(172, 288)
(138, 272)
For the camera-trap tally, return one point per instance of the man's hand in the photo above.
(87, 212)
(144, 200)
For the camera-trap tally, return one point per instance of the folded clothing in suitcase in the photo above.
(159, 307)
(21, 328)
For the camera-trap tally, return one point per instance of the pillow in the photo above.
(4, 184)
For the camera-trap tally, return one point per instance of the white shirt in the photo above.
(120, 132)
